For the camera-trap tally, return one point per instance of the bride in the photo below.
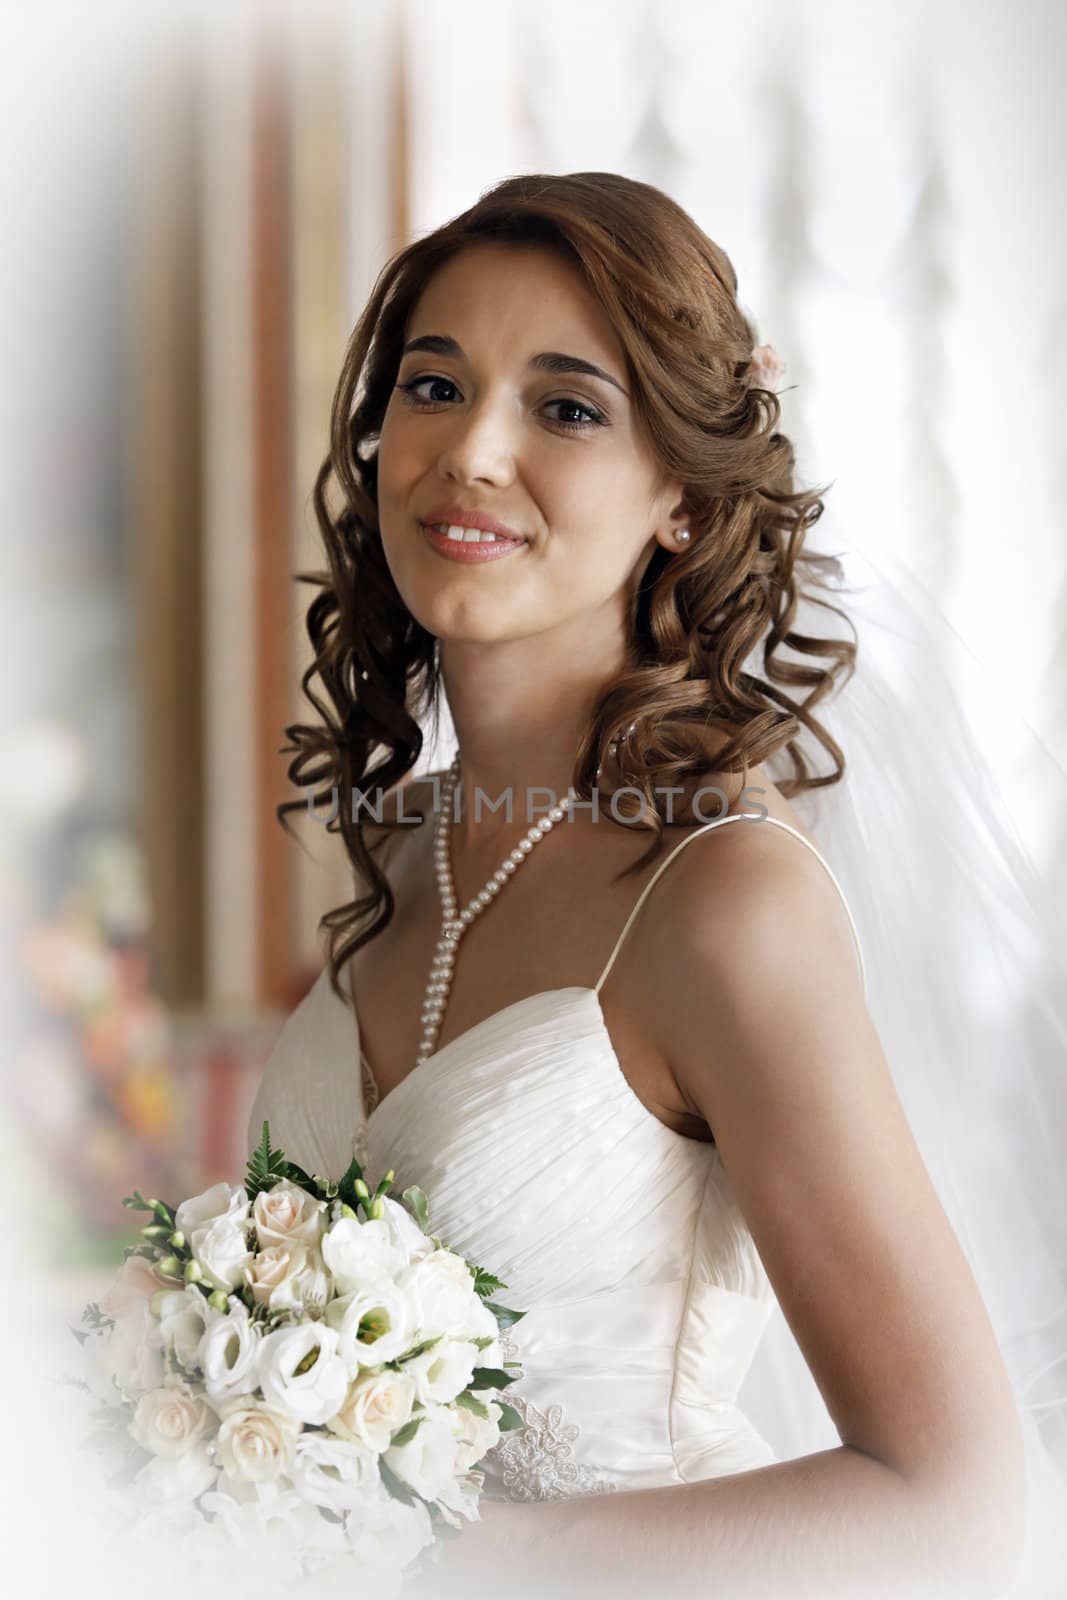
(600, 993)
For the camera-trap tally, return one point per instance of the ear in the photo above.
(673, 530)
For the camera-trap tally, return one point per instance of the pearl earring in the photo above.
(682, 535)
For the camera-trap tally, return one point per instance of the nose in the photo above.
(478, 447)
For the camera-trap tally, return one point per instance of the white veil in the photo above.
(966, 965)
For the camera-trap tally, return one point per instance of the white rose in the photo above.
(362, 1255)
(256, 1443)
(128, 1360)
(169, 1421)
(270, 1274)
(165, 1480)
(428, 1461)
(287, 1214)
(215, 1225)
(336, 1473)
(222, 1200)
(227, 1354)
(375, 1407)
(301, 1372)
(441, 1287)
(184, 1316)
(222, 1250)
(373, 1326)
(387, 1534)
(444, 1371)
(477, 1434)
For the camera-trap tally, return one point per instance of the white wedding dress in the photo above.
(621, 1239)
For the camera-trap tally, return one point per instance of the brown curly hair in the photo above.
(698, 615)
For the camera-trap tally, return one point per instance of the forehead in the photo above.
(511, 296)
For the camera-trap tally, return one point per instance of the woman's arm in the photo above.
(765, 1025)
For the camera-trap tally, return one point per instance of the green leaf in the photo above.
(469, 1403)
(407, 1432)
(396, 1485)
(491, 1378)
(420, 1349)
(506, 1318)
(346, 1189)
(266, 1167)
(419, 1204)
(485, 1283)
(509, 1418)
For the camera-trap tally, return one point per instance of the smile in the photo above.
(467, 544)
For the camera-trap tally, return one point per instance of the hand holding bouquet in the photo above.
(295, 1367)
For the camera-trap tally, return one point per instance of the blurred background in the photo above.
(197, 200)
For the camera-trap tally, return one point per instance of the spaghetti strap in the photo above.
(718, 823)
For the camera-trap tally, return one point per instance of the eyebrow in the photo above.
(440, 344)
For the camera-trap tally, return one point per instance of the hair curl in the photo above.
(698, 615)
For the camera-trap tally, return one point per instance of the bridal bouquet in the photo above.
(298, 1370)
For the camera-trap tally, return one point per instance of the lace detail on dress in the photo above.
(359, 1145)
(370, 1100)
(536, 1461)
(370, 1088)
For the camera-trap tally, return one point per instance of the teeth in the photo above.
(464, 535)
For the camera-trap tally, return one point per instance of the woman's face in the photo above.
(480, 421)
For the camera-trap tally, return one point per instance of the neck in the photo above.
(518, 732)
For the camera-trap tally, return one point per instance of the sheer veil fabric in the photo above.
(966, 963)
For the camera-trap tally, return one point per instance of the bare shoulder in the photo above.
(763, 1022)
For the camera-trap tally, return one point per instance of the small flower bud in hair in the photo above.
(765, 367)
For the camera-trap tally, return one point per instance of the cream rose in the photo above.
(135, 1281)
(271, 1272)
(287, 1214)
(256, 1443)
(126, 1361)
(375, 1407)
(169, 1421)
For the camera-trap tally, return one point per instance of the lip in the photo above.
(470, 552)
(470, 517)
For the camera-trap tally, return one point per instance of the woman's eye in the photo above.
(591, 417)
(595, 418)
(414, 384)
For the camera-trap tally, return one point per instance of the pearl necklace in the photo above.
(453, 927)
